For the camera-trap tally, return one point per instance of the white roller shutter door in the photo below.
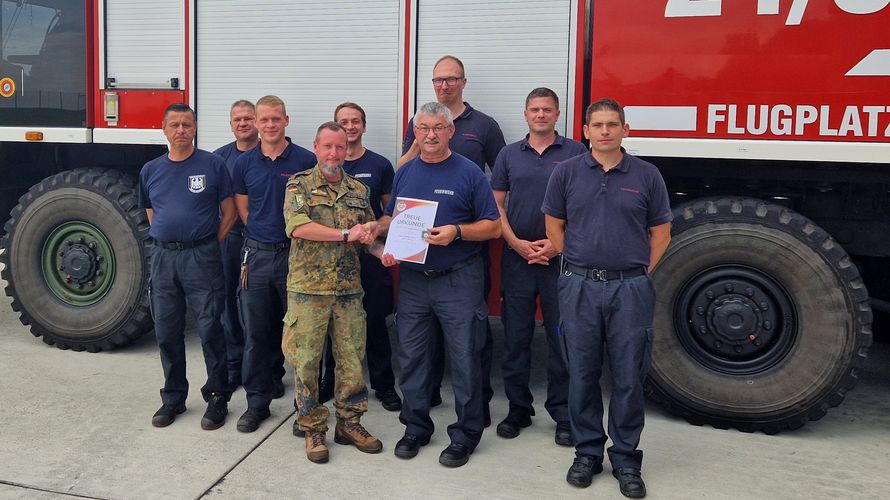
(312, 54)
(144, 43)
(508, 48)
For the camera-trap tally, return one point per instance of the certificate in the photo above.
(411, 220)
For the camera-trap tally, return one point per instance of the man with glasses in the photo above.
(447, 287)
(477, 137)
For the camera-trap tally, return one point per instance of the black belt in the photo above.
(602, 274)
(460, 265)
(272, 247)
(184, 245)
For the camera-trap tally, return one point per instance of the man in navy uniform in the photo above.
(608, 213)
(259, 181)
(241, 118)
(529, 268)
(376, 172)
(477, 137)
(447, 287)
(187, 197)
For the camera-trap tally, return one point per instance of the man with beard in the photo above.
(328, 215)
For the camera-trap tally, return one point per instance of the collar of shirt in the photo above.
(284, 154)
(467, 111)
(523, 144)
(623, 165)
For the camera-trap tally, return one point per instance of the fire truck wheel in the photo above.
(762, 321)
(76, 260)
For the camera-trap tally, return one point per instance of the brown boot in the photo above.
(355, 434)
(316, 450)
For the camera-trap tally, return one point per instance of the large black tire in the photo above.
(76, 260)
(762, 321)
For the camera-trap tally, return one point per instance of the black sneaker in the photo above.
(217, 409)
(250, 420)
(517, 418)
(582, 471)
(389, 399)
(166, 414)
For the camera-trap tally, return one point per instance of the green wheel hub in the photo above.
(78, 263)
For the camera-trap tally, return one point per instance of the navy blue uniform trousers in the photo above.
(190, 276)
(487, 350)
(231, 261)
(455, 300)
(521, 284)
(378, 304)
(615, 318)
(262, 304)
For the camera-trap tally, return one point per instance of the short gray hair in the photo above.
(435, 109)
(332, 126)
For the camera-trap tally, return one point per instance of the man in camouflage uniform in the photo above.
(328, 214)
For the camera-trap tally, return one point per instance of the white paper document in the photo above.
(411, 221)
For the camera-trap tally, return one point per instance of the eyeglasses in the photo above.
(424, 130)
(451, 81)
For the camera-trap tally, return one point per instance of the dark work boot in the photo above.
(166, 414)
(516, 419)
(582, 471)
(215, 416)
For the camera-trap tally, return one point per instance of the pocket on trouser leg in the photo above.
(480, 318)
(646, 358)
(289, 337)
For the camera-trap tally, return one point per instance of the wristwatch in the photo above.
(345, 233)
(457, 234)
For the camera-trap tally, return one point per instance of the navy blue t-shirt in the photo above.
(376, 172)
(229, 154)
(520, 170)
(264, 181)
(464, 196)
(184, 195)
(607, 214)
(477, 136)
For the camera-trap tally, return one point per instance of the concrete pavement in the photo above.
(77, 425)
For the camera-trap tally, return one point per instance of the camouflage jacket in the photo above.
(324, 267)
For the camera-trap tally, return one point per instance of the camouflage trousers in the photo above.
(309, 319)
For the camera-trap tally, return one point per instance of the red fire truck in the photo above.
(770, 121)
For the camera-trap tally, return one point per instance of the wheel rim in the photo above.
(78, 263)
(735, 319)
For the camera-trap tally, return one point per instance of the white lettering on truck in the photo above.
(714, 8)
(800, 120)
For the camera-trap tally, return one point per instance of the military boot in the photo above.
(316, 449)
(355, 434)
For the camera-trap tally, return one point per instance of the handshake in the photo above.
(364, 233)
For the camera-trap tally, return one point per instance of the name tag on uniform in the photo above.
(362, 176)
